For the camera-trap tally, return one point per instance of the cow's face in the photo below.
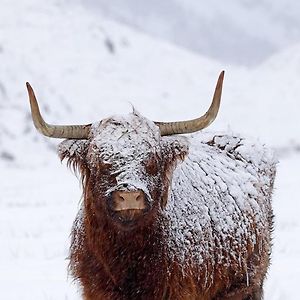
(127, 168)
(126, 162)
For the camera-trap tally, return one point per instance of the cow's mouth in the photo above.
(129, 209)
(129, 216)
(130, 219)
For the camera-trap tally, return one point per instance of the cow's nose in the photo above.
(123, 200)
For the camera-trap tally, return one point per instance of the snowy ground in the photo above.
(284, 274)
(85, 68)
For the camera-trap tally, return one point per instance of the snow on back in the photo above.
(220, 199)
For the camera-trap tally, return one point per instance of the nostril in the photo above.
(133, 200)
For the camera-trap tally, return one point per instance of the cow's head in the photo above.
(126, 162)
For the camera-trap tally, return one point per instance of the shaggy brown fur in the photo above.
(115, 264)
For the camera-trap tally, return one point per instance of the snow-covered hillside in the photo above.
(227, 32)
(83, 68)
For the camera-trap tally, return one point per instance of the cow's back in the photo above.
(219, 211)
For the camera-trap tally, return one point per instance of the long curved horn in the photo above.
(169, 128)
(54, 131)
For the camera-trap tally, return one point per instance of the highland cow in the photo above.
(165, 215)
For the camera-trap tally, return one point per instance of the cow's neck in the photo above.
(133, 260)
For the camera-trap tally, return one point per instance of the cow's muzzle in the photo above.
(133, 200)
(128, 206)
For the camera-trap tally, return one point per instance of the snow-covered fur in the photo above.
(207, 234)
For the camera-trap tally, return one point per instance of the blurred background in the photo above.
(89, 59)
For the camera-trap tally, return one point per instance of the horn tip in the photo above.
(220, 79)
(29, 88)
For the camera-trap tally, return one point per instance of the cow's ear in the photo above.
(74, 151)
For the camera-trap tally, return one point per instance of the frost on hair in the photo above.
(221, 190)
(74, 151)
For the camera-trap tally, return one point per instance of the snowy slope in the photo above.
(240, 32)
(84, 68)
